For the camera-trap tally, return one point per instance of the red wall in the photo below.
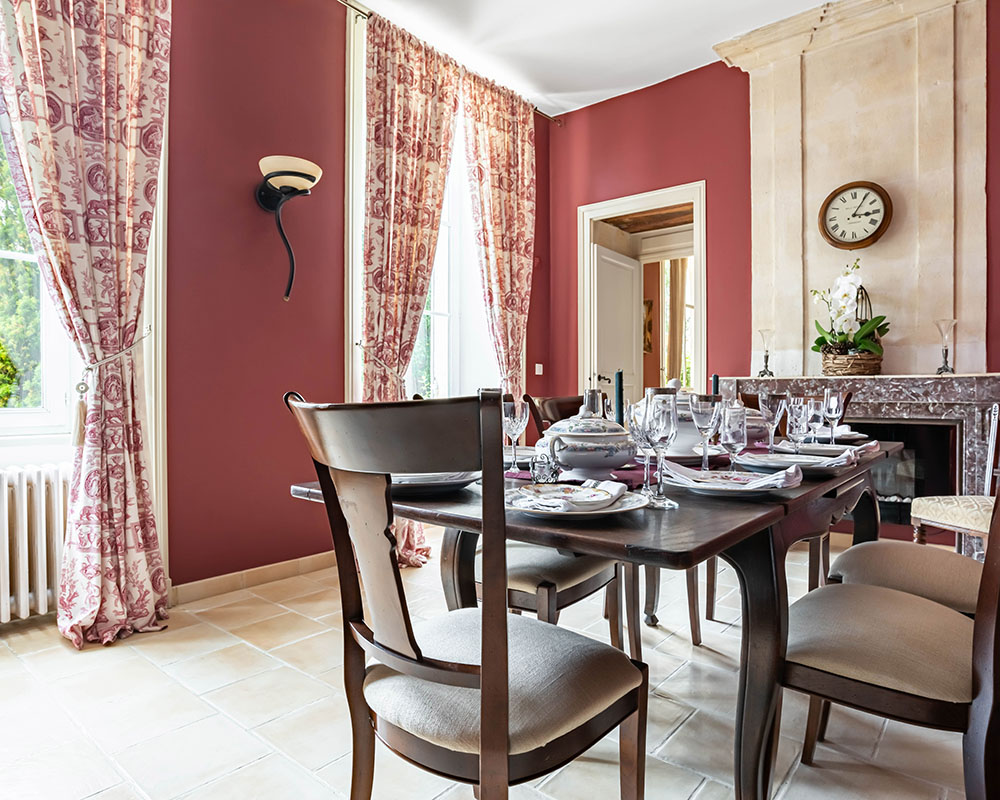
(537, 344)
(693, 127)
(249, 78)
(993, 186)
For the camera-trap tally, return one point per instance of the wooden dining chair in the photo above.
(547, 410)
(545, 694)
(819, 545)
(905, 657)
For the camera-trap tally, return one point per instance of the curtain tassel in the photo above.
(80, 417)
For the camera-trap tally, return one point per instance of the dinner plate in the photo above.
(515, 501)
(684, 459)
(775, 462)
(586, 497)
(737, 481)
(429, 484)
(850, 436)
(825, 450)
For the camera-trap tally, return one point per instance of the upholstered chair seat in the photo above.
(558, 680)
(964, 512)
(530, 565)
(940, 575)
(883, 637)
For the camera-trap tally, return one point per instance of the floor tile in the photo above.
(703, 687)
(220, 667)
(32, 719)
(392, 773)
(710, 790)
(31, 635)
(276, 631)
(596, 774)
(68, 771)
(242, 612)
(316, 654)
(88, 692)
(258, 699)
(934, 756)
(285, 589)
(214, 601)
(315, 605)
(122, 791)
(175, 645)
(841, 776)
(64, 660)
(313, 736)
(271, 778)
(187, 758)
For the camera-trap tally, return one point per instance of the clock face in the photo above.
(855, 215)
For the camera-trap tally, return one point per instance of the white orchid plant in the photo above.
(849, 332)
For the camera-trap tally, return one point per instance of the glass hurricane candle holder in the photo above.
(946, 327)
(766, 340)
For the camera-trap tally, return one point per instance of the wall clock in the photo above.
(855, 215)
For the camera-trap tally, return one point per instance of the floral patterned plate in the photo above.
(581, 496)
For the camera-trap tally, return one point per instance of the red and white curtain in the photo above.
(84, 91)
(412, 101)
(500, 145)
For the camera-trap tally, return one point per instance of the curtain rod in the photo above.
(365, 14)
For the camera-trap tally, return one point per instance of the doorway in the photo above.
(641, 284)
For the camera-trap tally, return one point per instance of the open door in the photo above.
(617, 322)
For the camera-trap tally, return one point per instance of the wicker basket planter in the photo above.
(863, 363)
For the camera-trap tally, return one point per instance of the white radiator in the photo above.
(33, 503)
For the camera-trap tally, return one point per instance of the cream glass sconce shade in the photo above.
(285, 177)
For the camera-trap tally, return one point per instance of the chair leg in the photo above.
(612, 596)
(652, 594)
(812, 729)
(815, 579)
(545, 603)
(920, 533)
(694, 617)
(362, 733)
(711, 586)
(824, 720)
(824, 559)
(632, 610)
(632, 751)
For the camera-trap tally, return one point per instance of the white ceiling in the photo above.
(566, 54)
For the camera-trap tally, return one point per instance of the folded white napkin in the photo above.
(847, 456)
(786, 479)
(840, 430)
(613, 488)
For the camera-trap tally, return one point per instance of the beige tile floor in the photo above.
(242, 698)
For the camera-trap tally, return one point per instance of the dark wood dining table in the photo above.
(751, 535)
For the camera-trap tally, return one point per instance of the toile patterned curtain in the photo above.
(84, 91)
(500, 144)
(412, 101)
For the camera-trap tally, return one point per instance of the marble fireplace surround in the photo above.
(966, 399)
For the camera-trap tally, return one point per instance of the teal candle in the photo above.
(619, 398)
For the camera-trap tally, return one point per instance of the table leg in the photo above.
(765, 623)
(458, 568)
(866, 514)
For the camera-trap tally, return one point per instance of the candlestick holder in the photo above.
(766, 339)
(946, 328)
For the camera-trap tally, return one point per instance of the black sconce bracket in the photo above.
(273, 198)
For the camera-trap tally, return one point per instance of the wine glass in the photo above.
(733, 430)
(661, 427)
(515, 420)
(705, 412)
(814, 412)
(833, 410)
(798, 424)
(640, 435)
(772, 406)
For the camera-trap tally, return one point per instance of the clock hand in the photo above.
(856, 214)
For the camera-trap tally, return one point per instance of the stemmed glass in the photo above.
(772, 406)
(733, 430)
(833, 410)
(814, 412)
(705, 412)
(661, 428)
(515, 420)
(798, 424)
(640, 435)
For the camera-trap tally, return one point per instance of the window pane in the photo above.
(20, 317)
(419, 374)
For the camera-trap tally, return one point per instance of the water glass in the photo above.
(706, 412)
(798, 424)
(515, 420)
(733, 430)
(661, 427)
(772, 406)
(814, 408)
(833, 411)
(636, 421)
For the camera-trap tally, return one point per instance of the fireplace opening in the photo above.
(930, 463)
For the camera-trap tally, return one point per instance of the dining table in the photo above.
(752, 535)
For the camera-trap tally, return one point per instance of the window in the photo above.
(454, 355)
(36, 356)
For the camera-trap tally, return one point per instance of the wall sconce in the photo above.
(285, 177)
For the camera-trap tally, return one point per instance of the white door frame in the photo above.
(693, 193)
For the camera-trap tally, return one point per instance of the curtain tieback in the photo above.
(80, 418)
(400, 376)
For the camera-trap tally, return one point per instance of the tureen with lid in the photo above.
(587, 446)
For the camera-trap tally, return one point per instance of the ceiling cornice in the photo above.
(818, 28)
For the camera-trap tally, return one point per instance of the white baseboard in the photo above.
(234, 581)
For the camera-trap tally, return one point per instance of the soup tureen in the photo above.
(587, 447)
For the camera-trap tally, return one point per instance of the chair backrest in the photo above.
(985, 711)
(990, 471)
(355, 448)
